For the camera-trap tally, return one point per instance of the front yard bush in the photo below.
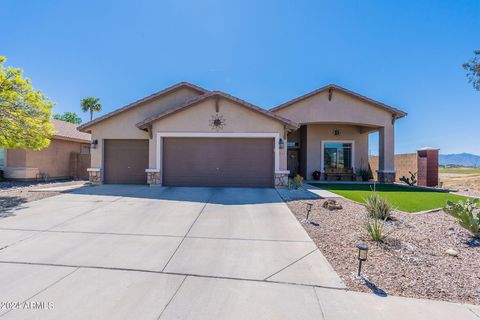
(364, 174)
(296, 182)
(467, 215)
(378, 207)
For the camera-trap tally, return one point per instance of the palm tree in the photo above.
(91, 104)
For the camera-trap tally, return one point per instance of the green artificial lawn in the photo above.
(404, 198)
(460, 170)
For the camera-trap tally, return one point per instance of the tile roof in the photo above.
(68, 131)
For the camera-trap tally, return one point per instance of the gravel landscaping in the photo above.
(411, 262)
(15, 193)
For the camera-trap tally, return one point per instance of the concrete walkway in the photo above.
(322, 193)
(133, 252)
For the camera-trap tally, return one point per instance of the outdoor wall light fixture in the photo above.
(281, 144)
(362, 255)
(94, 143)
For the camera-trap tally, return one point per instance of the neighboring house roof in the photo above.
(210, 95)
(398, 113)
(68, 131)
(143, 100)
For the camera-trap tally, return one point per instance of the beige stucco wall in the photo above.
(238, 119)
(15, 157)
(53, 160)
(122, 126)
(342, 108)
(318, 133)
(346, 109)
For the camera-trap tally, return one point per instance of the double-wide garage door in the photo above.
(222, 162)
(213, 162)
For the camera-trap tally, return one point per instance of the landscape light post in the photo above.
(309, 208)
(362, 255)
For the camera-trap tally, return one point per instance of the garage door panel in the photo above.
(218, 162)
(125, 161)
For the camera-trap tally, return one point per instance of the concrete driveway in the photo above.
(134, 252)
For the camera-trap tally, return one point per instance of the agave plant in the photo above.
(466, 214)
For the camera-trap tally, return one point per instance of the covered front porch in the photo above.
(332, 141)
(339, 152)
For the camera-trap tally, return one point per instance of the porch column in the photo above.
(386, 159)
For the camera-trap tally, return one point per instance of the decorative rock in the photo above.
(331, 204)
(452, 252)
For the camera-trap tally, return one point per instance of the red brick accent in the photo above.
(427, 167)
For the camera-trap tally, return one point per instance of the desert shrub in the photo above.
(375, 228)
(296, 182)
(466, 214)
(364, 174)
(410, 181)
(378, 207)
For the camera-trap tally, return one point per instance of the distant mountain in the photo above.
(460, 159)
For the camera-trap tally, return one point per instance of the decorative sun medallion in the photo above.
(217, 122)
(336, 132)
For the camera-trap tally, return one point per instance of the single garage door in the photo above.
(219, 162)
(125, 161)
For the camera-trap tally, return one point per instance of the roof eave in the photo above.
(385, 107)
(71, 139)
(147, 122)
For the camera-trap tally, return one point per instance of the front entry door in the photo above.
(292, 162)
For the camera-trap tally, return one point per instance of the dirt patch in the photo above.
(14, 194)
(466, 184)
(411, 262)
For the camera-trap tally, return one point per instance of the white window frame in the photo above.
(253, 135)
(322, 152)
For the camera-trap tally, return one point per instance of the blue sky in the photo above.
(407, 54)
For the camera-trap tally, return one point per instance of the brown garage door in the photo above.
(125, 161)
(219, 162)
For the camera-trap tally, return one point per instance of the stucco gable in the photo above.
(215, 95)
(331, 89)
(182, 86)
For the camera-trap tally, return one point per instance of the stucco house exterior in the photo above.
(186, 135)
(67, 156)
(333, 135)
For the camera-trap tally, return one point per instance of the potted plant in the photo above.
(364, 174)
(316, 175)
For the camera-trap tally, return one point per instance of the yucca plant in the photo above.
(378, 207)
(466, 214)
(375, 228)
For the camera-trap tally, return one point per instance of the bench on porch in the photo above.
(339, 174)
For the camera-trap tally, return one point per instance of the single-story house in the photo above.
(186, 135)
(67, 156)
